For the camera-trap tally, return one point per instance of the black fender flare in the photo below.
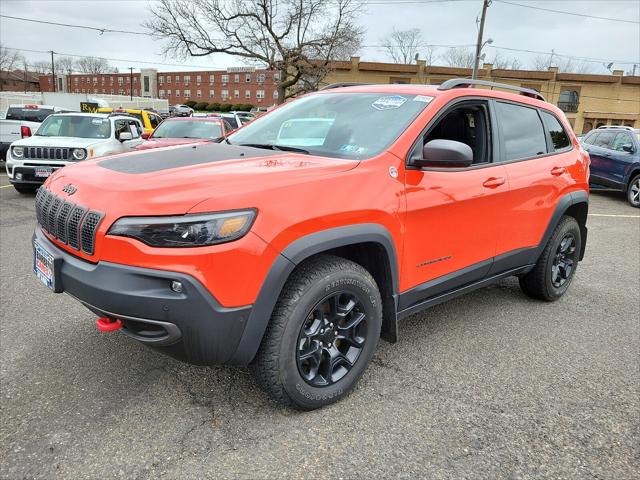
(564, 204)
(294, 254)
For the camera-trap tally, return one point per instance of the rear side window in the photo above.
(154, 120)
(559, 137)
(590, 138)
(605, 139)
(620, 141)
(522, 131)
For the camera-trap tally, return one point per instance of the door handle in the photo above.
(493, 182)
(557, 171)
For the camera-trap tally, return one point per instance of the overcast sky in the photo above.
(442, 22)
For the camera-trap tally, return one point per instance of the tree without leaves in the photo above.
(403, 45)
(299, 38)
(65, 65)
(93, 65)
(41, 67)
(564, 64)
(458, 57)
(9, 59)
(506, 63)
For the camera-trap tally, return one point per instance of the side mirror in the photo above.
(628, 148)
(124, 136)
(444, 154)
(145, 135)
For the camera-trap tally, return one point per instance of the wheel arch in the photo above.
(370, 245)
(634, 171)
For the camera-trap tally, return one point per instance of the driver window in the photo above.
(134, 128)
(119, 127)
(467, 123)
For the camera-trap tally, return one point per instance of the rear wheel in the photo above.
(25, 188)
(322, 334)
(555, 268)
(633, 192)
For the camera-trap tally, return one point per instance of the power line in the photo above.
(70, 25)
(586, 59)
(567, 13)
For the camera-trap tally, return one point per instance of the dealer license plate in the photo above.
(43, 265)
(43, 172)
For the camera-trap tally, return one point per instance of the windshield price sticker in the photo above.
(389, 103)
(422, 98)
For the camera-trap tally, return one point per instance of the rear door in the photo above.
(621, 156)
(601, 158)
(536, 151)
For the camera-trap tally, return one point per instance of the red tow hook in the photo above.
(106, 325)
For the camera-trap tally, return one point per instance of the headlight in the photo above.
(79, 153)
(186, 230)
(17, 152)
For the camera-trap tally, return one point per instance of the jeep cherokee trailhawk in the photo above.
(309, 233)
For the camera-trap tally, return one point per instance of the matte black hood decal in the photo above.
(158, 159)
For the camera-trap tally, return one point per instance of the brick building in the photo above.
(234, 85)
(19, 81)
(588, 100)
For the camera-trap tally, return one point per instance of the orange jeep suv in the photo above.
(304, 237)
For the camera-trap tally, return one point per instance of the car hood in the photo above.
(168, 142)
(175, 180)
(71, 142)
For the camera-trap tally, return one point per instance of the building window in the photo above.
(247, 77)
(111, 81)
(75, 81)
(187, 80)
(276, 76)
(161, 93)
(95, 91)
(177, 93)
(212, 93)
(135, 91)
(77, 90)
(198, 79)
(135, 79)
(568, 101)
(120, 81)
(112, 91)
(236, 94)
(161, 80)
(146, 83)
(187, 94)
(247, 94)
(95, 80)
(168, 93)
(236, 78)
(211, 79)
(225, 94)
(261, 77)
(168, 78)
(198, 93)
(103, 80)
(128, 80)
(177, 78)
(225, 79)
(259, 94)
(104, 91)
(275, 94)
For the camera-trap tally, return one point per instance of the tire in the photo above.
(556, 267)
(297, 364)
(633, 192)
(25, 188)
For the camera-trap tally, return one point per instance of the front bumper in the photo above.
(22, 172)
(191, 325)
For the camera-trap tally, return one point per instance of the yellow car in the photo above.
(150, 120)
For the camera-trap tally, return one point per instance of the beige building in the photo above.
(588, 100)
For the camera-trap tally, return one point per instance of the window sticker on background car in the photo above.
(97, 121)
(422, 98)
(389, 103)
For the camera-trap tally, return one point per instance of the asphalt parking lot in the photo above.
(491, 385)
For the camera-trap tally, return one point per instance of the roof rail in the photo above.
(343, 84)
(468, 82)
(624, 127)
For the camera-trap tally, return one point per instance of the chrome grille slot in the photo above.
(47, 153)
(72, 224)
(73, 227)
(89, 227)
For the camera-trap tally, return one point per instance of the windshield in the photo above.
(75, 126)
(188, 129)
(344, 125)
(28, 114)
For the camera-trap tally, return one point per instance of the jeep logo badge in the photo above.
(69, 189)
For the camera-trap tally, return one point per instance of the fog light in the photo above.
(176, 286)
(18, 176)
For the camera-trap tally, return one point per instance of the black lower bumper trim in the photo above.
(191, 325)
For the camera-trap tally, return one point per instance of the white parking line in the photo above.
(6, 186)
(608, 215)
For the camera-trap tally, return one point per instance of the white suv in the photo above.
(67, 138)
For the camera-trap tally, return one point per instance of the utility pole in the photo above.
(53, 72)
(479, 44)
(131, 82)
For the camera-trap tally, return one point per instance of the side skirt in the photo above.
(430, 302)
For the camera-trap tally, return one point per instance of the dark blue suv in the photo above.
(615, 159)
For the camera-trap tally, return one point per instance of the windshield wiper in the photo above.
(271, 146)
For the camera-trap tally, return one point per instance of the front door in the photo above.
(453, 216)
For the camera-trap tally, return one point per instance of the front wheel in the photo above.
(633, 192)
(555, 268)
(322, 334)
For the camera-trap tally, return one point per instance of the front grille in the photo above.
(72, 224)
(47, 153)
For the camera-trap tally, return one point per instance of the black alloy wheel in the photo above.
(564, 261)
(331, 339)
